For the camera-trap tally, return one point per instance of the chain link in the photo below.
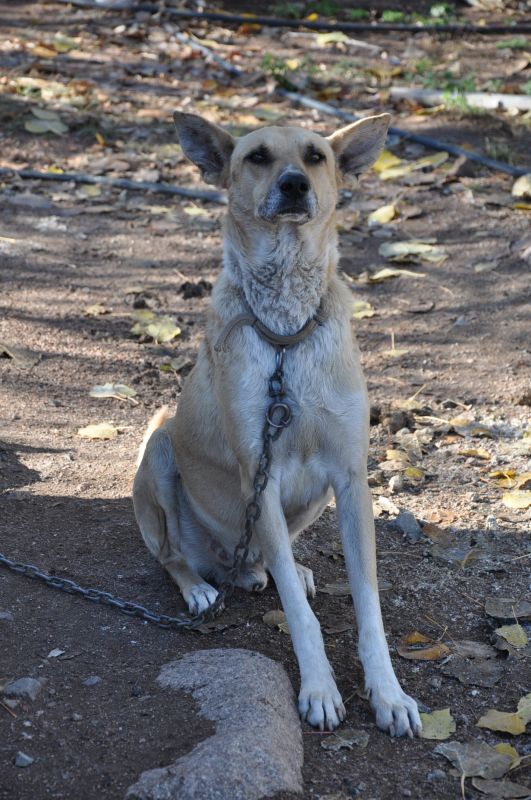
(278, 417)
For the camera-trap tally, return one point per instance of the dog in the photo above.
(197, 471)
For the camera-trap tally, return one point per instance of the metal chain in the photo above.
(278, 417)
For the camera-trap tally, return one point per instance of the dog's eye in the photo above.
(314, 157)
(259, 157)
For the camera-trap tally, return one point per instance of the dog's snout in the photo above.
(294, 185)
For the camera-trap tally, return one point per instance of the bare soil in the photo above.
(462, 336)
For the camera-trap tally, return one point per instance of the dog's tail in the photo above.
(157, 421)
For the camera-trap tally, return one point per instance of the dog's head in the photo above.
(277, 175)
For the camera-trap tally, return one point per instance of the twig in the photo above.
(471, 598)
(9, 710)
(280, 22)
(206, 51)
(118, 183)
(427, 141)
(434, 97)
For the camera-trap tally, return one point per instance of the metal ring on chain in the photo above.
(285, 419)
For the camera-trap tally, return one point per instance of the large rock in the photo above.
(26, 688)
(257, 748)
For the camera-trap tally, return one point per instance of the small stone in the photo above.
(22, 760)
(435, 682)
(409, 526)
(6, 616)
(436, 775)
(136, 691)
(92, 680)
(27, 688)
(491, 523)
(396, 483)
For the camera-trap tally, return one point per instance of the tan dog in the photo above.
(197, 472)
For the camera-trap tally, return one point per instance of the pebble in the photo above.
(92, 680)
(396, 483)
(23, 760)
(491, 523)
(77, 717)
(27, 688)
(6, 616)
(436, 775)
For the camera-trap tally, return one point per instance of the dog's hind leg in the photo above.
(157, 495)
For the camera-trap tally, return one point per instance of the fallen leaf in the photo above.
(514, 634)
(508, 608)
(466, 648)
(509, 750)
(405, 168)
(336, 625)
(391, 272)
(474, 672)
(524, 708)
(194, 210)
(345, 738)
(161, 329)
(382, 215)
(437, 725)
(336, 589)
(520, 498)
(414, 473)
(502, 721)
(501, 790)
(441, 536)
(95, 310)
(22, 357)
(276, 619)
(486, 266)
(117, 390)
(385, 161)
(412, 251)
(361, 309)
(522, 186)
(46, 126)
(101, 430)
(475, 453)
(475, 759)
(420, 648)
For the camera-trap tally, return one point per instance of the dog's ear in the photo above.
(357, 146)
(206, 145)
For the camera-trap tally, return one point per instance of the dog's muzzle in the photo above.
(290, 199)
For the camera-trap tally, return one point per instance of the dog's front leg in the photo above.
(395, 711)
(320, 703)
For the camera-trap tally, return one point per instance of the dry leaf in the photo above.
(405, 168)
(117, 390)
(102, 430)
(517, 499)
(391, 272)
(501, 790)
(382, 215)
(522, 186)
(475, 759)
(345, 739)
(412, 251)
(514, 634)
(46, 126)
(420, 648)
(475, 453)
(474, 672)
(502, 721)
(336, 589)
(161, 329)
(414, 473)
(385, 161)
(465, 648)
(276, 619)
(361, 309)
(508, 608)
(95, 310)
(437, 725)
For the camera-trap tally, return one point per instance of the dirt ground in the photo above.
(448, 339)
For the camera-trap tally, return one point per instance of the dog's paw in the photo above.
(306, 578)
(396, 712)
(320, 704)
(199, 597)
(252, 579)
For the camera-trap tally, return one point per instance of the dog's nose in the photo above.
(294, 185)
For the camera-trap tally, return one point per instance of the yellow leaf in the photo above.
(523, 481)
(514, 634)
(194, 210)
(95, 310)
(437, 725)
(313, 17)
(90, 190)
(393, 272)
(420, 648)
(382, 215)
(292, 63)
(396, 455)
(517, 499)
(386, 160)
(414, 473)
(362, 309)
(502, 721)
(522, 186)
(522, 206)
(99, 138)
(524, 708)
(475, 453)
(103, 430)
(508, 750)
